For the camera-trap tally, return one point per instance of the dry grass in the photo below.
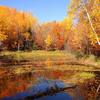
(37, 55)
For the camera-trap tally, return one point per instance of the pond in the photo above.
(44, 90)
(16, 82)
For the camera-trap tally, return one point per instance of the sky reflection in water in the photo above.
(41, 87)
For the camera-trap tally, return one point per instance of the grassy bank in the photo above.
(50, 60)
(36, 55)
(52, 55)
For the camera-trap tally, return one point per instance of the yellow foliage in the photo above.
(2, 37)
(26, 35)
(48, 40)
(92, 38)
(67, 23)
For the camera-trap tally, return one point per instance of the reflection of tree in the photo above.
(48, 63)
(15, 84)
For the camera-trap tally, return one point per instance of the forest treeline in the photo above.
(22, 31)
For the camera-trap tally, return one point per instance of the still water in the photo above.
(43, 86)
(18, 86)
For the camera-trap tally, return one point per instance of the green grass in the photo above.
(85, 75)
(80, 77)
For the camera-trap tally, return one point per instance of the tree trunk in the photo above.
(91, 24)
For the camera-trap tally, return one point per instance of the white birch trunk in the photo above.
(92, 25)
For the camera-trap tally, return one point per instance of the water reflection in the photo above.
(58, 96)
(19, 83)
(44, 90)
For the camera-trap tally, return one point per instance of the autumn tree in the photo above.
(16, 26)
(48, 41)
(56, 32)
(66, 25)
(86, 12)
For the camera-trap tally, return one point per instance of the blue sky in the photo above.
(44, 10)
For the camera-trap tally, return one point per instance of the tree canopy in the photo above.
(78, 31)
